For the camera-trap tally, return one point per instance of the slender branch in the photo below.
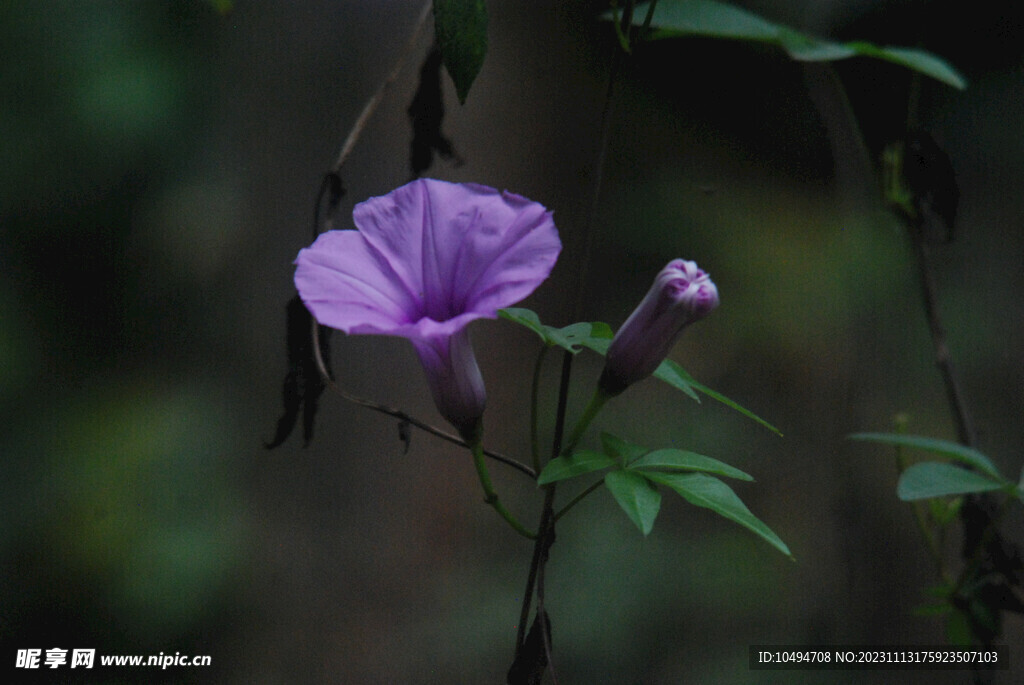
(401, 415)
(588, 232)
(943, 359)
(534, 409)
(375, 100)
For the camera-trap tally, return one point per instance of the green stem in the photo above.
(648, 18)
(577, 499)
(593, 408)
(490, 496)
(534, 392)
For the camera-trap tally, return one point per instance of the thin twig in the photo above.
(943, 359)
(401, 415)
(375, 100)
(587, 249)
(534, 397)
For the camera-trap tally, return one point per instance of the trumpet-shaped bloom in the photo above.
(427, 259)
(681, 294)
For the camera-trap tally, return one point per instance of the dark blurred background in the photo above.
(158, 173)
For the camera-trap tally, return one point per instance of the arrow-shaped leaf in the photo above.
(938, 479)
(637, 497)
(683, 460)
(711, 493)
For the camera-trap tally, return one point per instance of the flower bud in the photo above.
(681, 294)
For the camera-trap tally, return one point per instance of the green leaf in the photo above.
(717, 396)
(637, 497)
(598, 343)
(914, 59)
(674, 375)
(711, 493)
(682, 460)
(711, 19)
(621, 450)
(577, 464)
(572, 338)
(953, 450)
(460, 28)
(937, 479)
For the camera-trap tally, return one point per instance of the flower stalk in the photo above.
(490, 496)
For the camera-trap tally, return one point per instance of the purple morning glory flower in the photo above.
(681, 294)
(428, 258)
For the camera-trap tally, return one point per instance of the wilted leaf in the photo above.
(426, 112)
(303, 384)
(531, 659)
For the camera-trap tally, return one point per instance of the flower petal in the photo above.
(461, 247)
(346, 285)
